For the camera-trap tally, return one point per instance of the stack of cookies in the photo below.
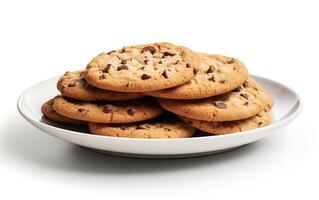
(160, 91)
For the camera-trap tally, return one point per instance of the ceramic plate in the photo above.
(287, 105)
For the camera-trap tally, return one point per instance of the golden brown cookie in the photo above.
(241, 103)
(74, 85)
(150, 129)
(143, 68)
(111, 112)
(217, 75)
(49, 113)
(257, 121)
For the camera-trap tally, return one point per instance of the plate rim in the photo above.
(276, 125)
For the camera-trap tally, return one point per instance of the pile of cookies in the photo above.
(160, 91)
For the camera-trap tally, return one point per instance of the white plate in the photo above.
(287, 105)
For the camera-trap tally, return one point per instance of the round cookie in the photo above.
(153, 129)
(111, 112)
(261, 119)
(143, 68)
(49, 113)
(241, 103)
(74, 85)
(216, 75)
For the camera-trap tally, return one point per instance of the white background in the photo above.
(276, 39)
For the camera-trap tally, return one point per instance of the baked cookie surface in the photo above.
(216, 75)
(110, 112)
(151, 129)
(49, 113)
(74, 85)
(241, 103)
(257, 121)
(143, 68)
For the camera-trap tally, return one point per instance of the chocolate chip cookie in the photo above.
(111, 112)
(257, 121)
(153, 129)
(49, 113)
(216, 75)
(74, 85)
(143, 68)
(241, 103)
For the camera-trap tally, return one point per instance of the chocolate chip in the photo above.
(165, 74)
(83, 81)
(150, 49)
(212, 79)
(122, 67)
(107, 68)
(123, 62)
(231, 61)
(108, 53)
(103, 76)
(141, 68)
(145, 62)
(246, 103)
(167, 129)
(188, 65)
(244, 95)
(145, 77)
(166, 53)
(131, 111)
(107, 109)
(210, 69)
(71, 85)
(260, 123)
(82, 110)
(195, 71)
(122, 50)
(222, 81)
(220, 104)
(128, 84)
(160, 62)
